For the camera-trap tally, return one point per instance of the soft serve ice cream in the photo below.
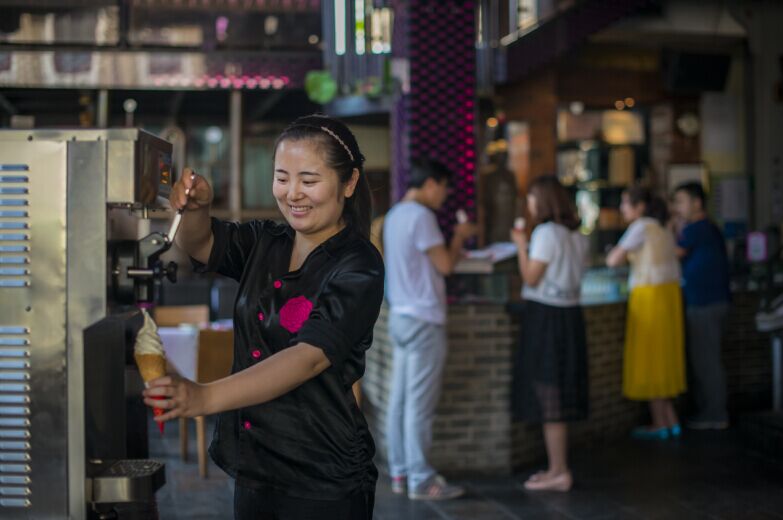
(148, 350)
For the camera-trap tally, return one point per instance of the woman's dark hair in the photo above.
(553, 202)
(654, 206)
(342, 154)
(423, 169)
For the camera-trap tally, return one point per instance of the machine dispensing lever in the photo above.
(174, 226)
(178, 216)
(137, 267)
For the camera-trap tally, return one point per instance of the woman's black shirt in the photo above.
(312, 442)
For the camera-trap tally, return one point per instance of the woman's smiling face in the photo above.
(308, 192)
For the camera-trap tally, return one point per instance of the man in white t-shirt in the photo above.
(417, 260)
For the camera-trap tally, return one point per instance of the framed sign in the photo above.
(757, 247)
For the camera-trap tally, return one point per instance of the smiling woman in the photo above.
(289, 429)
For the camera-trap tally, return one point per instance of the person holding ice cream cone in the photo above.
(289, 429)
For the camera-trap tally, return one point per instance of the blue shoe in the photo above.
(675, 431)
(646, 434)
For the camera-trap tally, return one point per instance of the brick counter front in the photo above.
(473, 431)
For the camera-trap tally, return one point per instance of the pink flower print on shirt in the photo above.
(294, 313)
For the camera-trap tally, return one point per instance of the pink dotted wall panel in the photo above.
(439, 111)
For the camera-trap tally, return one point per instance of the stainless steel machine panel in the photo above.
(55, 188)
(33, 429)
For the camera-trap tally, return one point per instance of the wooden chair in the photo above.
(214, 359)
(175, 315)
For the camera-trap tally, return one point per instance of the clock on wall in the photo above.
(689, 124)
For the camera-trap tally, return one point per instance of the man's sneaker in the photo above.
(436, 488)
(399, 485)
(707, 425)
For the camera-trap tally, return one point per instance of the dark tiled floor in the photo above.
(704, 475)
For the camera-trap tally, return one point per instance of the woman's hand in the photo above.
(616, 257)
(519, 237)
(181, 397)
(199, 195)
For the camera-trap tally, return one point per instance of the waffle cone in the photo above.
(151, 366)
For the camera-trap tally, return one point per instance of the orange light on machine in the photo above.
(165, 177)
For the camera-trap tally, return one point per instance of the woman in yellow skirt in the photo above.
(654, 363)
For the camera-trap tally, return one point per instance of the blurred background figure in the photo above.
(499, 195)
(705, 271)
(654, 362)
(417, 260)
(550, 369)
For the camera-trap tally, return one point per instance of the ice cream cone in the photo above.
(150, 358)
(151, 366)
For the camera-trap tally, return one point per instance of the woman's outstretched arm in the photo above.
(260, 383)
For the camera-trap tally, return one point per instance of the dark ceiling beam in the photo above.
(8, 106)
(563, 33)
(267, 104)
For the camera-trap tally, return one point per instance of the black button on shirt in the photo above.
(312, 442)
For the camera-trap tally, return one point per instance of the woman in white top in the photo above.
(550, 383)
(654, 361)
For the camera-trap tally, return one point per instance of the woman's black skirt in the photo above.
(550, 367)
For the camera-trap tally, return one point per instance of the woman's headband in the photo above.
(316, 125)
(339, 141)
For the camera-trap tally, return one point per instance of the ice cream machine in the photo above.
(73, 431)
